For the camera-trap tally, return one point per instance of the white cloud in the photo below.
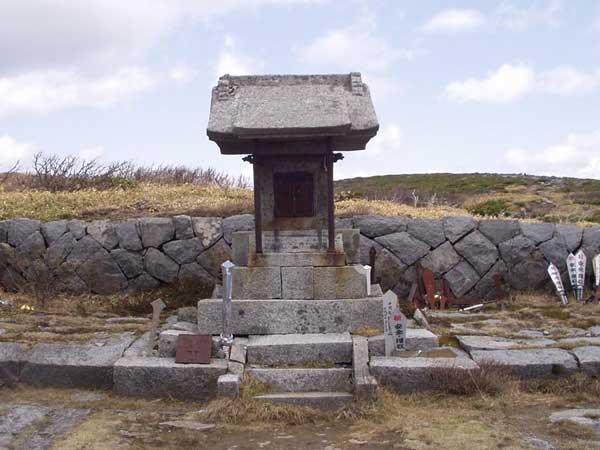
(455, 21)
(388, 139)
(48, 91)
(520, 19)
(577, 156)
(12, 152)
(512, 82)
(506, 84)
(91, 153)
(182, 74)
(231, 61)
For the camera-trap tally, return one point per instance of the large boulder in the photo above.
(31, 249)
(143, 282)
(129, 238)
(556, 251)
(365, 247)
(3, 231)
(441, 260)
(77, 227)
(538, 232)
(60, 249)
(461, 278)
(516, 249)
(430, 231)
(212, 258)
(52, 231)
(388, 269)
(532, 273)
(499, 230)
(243, 222)
(375, 226)
(572, 234)
(160, 266)
(7, 256)
(193, 274)
(208, 229)
(183, 251)
(19, 229)
(104, 232)
(457, 227)
(485, 289)
(155, 231)
(403, 245)
(82, 251)
(132, 264)
(102, 274)
(478, 251)
(183, 227)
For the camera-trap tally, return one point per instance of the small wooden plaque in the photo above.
(193, 349)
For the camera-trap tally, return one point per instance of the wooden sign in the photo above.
(390, 305)
(193, 349)
(398, 328)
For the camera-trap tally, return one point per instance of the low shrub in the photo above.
(492, 208)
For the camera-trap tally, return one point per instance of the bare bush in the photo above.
(4, 176)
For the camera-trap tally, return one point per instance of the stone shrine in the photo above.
(292, 127)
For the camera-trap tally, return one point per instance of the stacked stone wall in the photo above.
(106, 257)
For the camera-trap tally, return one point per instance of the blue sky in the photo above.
(488, 86)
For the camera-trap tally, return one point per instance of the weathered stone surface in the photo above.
(160, 266)
(183, 227)
(478, 251)
(167, 342)
(243, 222)
(162, 377)
(375, 226)
(19, 229)
(7, 255)
(84, 249)
(328, 401)
(303, 380)
(572, 234)
(11, 279)
(143, 282)
(485, 289)
(516, 250)
(297, 349)
(129, 238)
(297, 283)
(239, 350)
(3, 231)
(155, 231)
(471, 343)
(582, 417)
(12, 356)
(69, 281)
(30, 249)
(416, 339)
(339, 282)
(288, 259)
(581, 340)
(132, 264)
(441, 260)
(212, 258)
(589, 359)
(77, 227)
(193, 274)
(243, 247)
(104, 232)
(405, 247)
(183, 251)
(53, 230)
(388, 269)
(364, 385)
(59, 249)
(591, 243)
(457, 227)
(256, 282)
(208, 229)
(351, 243)
(499, 231)
(529, 274)
(461, 278)
(430, 231)
(298, 241)
(102, 274)
(534, 363)
(408, 375)
(290, 316)
(556, 251)
(538, 232)
(228, 385)
(74, 365)
(365, 248)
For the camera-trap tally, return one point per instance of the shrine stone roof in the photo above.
(261, 113)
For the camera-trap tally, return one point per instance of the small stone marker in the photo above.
(581, 261)
(193, 349)
(390, 305)
(557, 280)
(398, 327)
(157, 306)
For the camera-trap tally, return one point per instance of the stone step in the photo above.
(317, 400)
(303, 379)
(295, 349)
(416, 339)
(292, 316)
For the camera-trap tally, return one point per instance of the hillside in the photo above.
(550, 199)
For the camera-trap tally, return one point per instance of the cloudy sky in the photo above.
(459, 86)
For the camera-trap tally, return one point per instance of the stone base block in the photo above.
(297, 349)
(162, 377)
(11, 360)
(318, 400)
(292, 316)
(365, 388)
(416, 339)
(74, 365)
(307, 259)
(408, 375)
(167, 342)
(340, 282)
(470, 343)
(256, 282)
(297, 283)
(589, 359)
(228, 385)
(303, 380)
(533, 363)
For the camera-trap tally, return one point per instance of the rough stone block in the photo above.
(53, 230)
(416, 339)
(340, 282)
(208, 229)
(296, 349)
(242, 222)
(183, 227)
(408, 375)
(74, 365)
(303, 380)
(132, 264)
(572, 234)
(534, 363)
(212, 258)
(328, 401)
(104, 232)
(167, 342)
(365, 385)
(404, 246)
(239, 350)
(456, 227)
(12, 356)
(162, 377)
(299, 241)
(236, 368)
(470, 343)
(430, 231)
(19, 229)
(499, 231)
(304, 259)
(183, 251)
(441, 260)
(228, 385)
(478, 251)
(160, 266)
(102, 274)
(297, 283)
(256, 282)
(242, 246)
(291, 316)
(351, 241)
(589, 359)
(538, 232)
(375, 226)
(155, 231)
(461, 278)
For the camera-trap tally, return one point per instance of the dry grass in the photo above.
(487, 379)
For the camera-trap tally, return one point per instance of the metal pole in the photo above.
(227, 336)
